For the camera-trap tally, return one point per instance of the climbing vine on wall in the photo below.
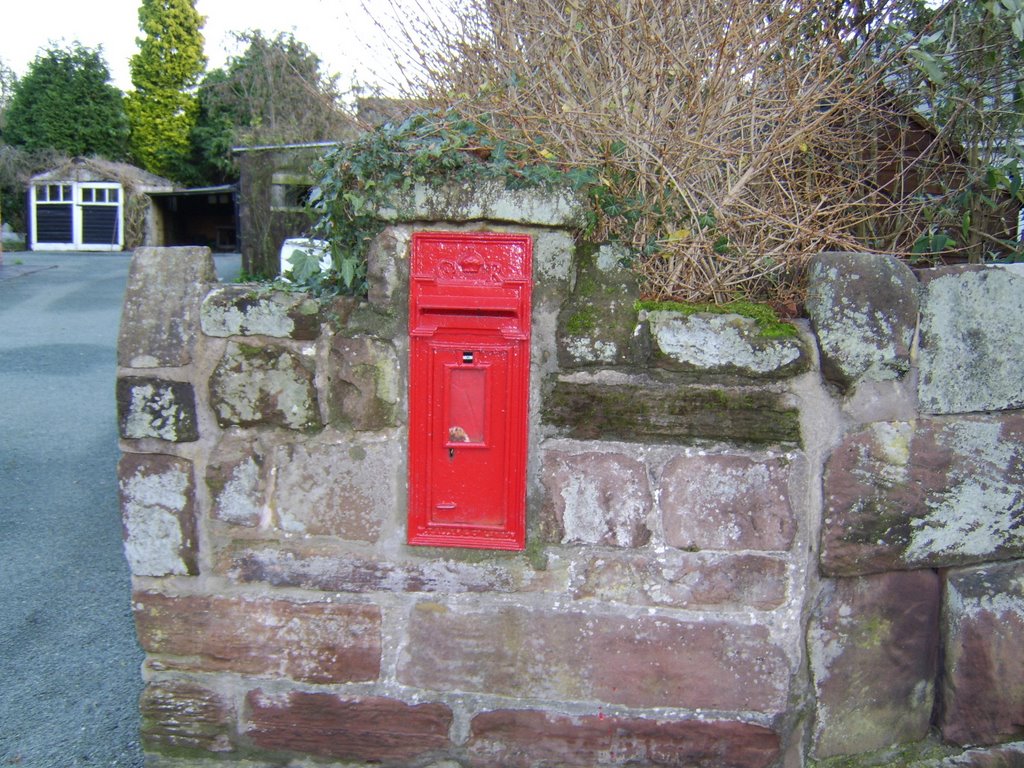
(354, 181)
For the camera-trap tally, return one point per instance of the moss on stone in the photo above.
(536, 553)
(875, 633)
(367, 320)
(587, 285)
(582, 322)
(767, 321)
(216, 484)
(903, 756)
(251, 353)
(640, 412)
(309, 307)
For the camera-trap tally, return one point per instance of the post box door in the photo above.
(468, 392)
(469, 460)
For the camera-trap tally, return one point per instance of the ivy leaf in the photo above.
(929, 64)
(305, 264)
(348, 271)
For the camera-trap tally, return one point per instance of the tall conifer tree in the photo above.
(165, 74)
(66, 102)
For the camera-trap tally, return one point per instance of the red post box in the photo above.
(469, 373)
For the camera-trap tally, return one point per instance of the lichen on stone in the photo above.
(718, 342)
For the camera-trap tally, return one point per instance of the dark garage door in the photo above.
(53, 223)
(99, 224)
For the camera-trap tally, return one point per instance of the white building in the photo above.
(92, 205)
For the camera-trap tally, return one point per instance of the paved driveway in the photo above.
(69, 660)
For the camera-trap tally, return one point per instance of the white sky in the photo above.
(340, 32)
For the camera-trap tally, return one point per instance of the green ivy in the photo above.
(356, 180)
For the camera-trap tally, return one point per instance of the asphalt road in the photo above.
(69, 661)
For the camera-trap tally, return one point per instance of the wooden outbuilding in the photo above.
(91, 204)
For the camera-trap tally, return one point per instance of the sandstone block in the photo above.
(612, 405)
(240, 310)
(552, 264)
(264, 386)
(236, 481)
(635, 661)
(874, 644)
(160, 319)
(149, 407)
(345, 489)
(598, 498)
(597, 321)
(372, 729)
(721, 345)
(158, 515)
(1010, 756)
(490, 201)
(727, 501)
(927, 494)
(527, 738)
(983, 692)
(387, 269)
(863, 309)
(364, 380)
(185, 717)
(313, 642)
(318, 566)
(969, 314)
(683, 580)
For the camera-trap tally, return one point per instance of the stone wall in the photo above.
(745, 548)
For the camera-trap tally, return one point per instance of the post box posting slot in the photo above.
(469, 353)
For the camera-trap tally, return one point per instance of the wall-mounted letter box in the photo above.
(469, 340)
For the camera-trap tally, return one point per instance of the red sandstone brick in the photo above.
(236, 480)
(874, 645)
(983, 685)
(315, 642)
(181, 715)
(325, 725)
(935, 493)
(341, 489)
(727, 502)
(321, 566)
(645, 661)
(523, 739)
(158, 514)
(597, 498)
(1010, 756)
(685, 580)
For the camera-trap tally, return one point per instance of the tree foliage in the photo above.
(212, 136)
(165, 73)
(730, 140)
(65, 102)
(7, 82)
(17, 166)
(966, 75)
(968, 71)
(274, 92)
